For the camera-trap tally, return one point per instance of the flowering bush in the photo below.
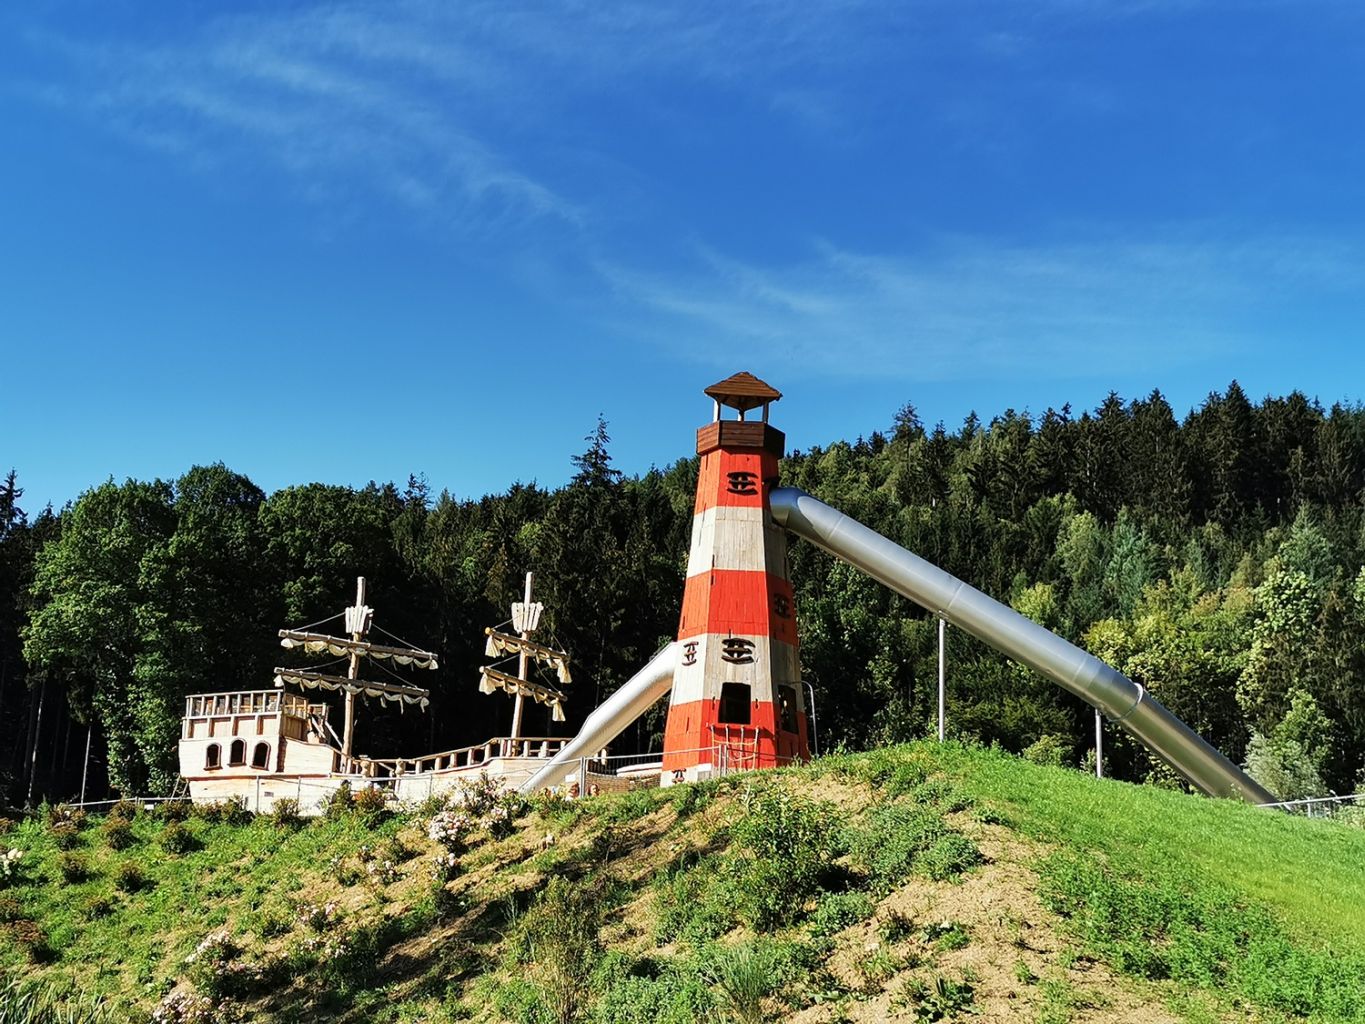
(479, 795)
(451, 829)
(501, 819)
(9, 865)
(192, 1008)
(445, 867)
(215, 967)
(320, 916)
(383, 872)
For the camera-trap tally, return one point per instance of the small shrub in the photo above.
(1048, 749)
(32, 939)
(501, 818)
(73, 867)
(286, 814)
(123, 810)
(840, 910)
(895, 927)
(340, 802)
(431, 805)
(445, 867)
(189, 1008)
(215, 967)
(451, 829)
(948, 857)
(99, 905)
(877, 968)
(371, 803)
(692, 904)
(10, 908)
(941, 794)
(558, 937)
(946, 935)
(177, 839)
(129, 877)
(782, 850)
(232, 811)
(65, 835)
(174, 810)
(744, 976)
(895, 835)
(118, 833)
(65, 814)
(394, 849)
(478, 795)
(939, 1001)
(641, 992)
(382, 872)
(320, 916)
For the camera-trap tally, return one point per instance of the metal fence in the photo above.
(1346, 809)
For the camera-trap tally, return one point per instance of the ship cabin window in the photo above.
(734, 704)
(237, 753)
(213, 756)
(260, 756)
(786, 708)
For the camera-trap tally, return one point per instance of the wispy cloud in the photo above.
(972, 307)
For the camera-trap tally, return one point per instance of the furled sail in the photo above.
(490, 679)
(504, 643)
(391, 692)
(318, 643)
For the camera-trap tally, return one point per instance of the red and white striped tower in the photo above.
(737, 700)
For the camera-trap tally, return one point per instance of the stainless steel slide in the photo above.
(1118, 697)
(611, 718)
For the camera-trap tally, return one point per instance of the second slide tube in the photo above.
(1118, 697)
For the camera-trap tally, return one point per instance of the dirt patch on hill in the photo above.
(987, 933)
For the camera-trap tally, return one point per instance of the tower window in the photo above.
(260, 756)
(213, 756)
(734, 704)
(237, 753)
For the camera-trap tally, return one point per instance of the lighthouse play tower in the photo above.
(737, 700)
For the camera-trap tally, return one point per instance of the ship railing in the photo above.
(244, 702)
(535, 747)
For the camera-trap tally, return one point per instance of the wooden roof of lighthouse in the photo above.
(743, 391)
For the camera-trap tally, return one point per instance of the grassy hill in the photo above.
(920, 883)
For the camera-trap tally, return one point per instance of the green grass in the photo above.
(736, 899)
(1306, 872)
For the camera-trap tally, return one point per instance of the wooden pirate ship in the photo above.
(261, 746)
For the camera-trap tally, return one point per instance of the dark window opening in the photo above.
(237, 753)
(734, 704)
(786, 708)
(213, 756)
(260, 757)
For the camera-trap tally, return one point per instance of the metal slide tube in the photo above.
(611, 718)
(1118, 697)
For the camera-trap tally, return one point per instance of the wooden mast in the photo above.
(521, 662)
(525, 621)
(358, 620)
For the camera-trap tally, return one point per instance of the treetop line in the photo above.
(1217, 560)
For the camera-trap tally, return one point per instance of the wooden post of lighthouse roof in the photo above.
(737, 700)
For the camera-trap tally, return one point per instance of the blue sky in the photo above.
(352, 241)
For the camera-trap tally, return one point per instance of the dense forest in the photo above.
(1217, 560)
